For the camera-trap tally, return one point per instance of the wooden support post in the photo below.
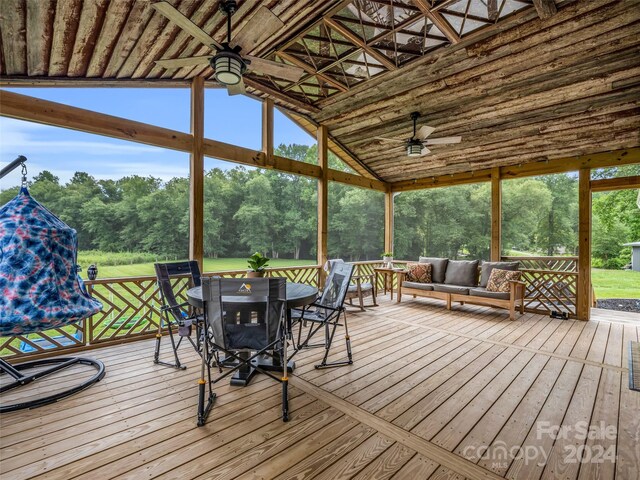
(388, 220)
(583, 309)
(496, 215)
(196, 174)
(323, 191)
(267, 130)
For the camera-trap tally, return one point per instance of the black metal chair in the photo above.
(325, 314)
(176, 314)
(251, 328)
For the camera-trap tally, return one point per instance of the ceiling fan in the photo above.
(228, 65)
(417, 144)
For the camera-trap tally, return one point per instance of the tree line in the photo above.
(248, 210)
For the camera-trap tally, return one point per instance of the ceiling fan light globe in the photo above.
(414, 149)
(228, 67)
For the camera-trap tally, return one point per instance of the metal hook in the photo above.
(24, 174)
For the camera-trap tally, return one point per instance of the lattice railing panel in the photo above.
(552, 283)
(59, 339)
(131, 308)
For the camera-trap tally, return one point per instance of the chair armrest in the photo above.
(358, 278)
(164, 308)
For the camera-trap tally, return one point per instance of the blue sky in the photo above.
(233, 120)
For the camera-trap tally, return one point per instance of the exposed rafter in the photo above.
(545, 8)
(438, 20)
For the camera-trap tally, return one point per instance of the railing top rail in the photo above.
(539, 258)
(186, 275)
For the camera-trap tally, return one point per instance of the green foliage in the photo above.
(387, 254)
(615, 283)
(258, 262)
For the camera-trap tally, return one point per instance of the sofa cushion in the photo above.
(462, 272)
(420, 286)
(483, 292)
(419, 272)
(438, 267)
(499, 280)
(459, 289)
(488, 266)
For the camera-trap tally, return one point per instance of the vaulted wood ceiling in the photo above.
(519, 84)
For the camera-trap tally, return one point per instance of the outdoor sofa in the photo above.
(465, 281)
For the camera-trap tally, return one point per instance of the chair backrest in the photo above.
(165, 272)
(336, 286)
(244, 314)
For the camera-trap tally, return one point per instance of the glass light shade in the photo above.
(414, 149)
(228, 68)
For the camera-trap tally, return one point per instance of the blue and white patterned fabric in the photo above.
(39, 285)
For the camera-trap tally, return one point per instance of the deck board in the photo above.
(427, 389)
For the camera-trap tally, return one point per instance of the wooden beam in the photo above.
(23, 107)
(65, 82)
(388, 220)
(323, 193)
(618, 183)
(337, 148)
(496, 215)
(32, 109)
(583, 307)
(439, 21)
(267, 130)
(612, 158)
(196, 174)
(545, 8)
(311, 71)
(356, 180)
(356, 40)
(305, 107)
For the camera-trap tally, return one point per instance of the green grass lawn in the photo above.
(210, 265)
(615, 283)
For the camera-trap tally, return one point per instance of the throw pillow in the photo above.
(499, 280)
(419, 272)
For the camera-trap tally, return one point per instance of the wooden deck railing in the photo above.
(130, 311)
(131, 305)
(552, 283)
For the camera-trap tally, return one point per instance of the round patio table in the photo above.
(298, 295)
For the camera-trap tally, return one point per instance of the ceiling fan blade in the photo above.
(185, 24)
(275, 69)
(424, 151)
(394, 140)
(182, 62)
(424, 131)
(442, 141)
(261, 26)
(237, 89)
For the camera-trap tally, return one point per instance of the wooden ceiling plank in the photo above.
(161, 43)
(447, 66)
(463, 99)
(114, 22)
(183, 39)
(40, 14)
(545, 8)
(14, 36)
(504, 68)
(135, 24)
(64, 34)
(158, 30)
(89, 27)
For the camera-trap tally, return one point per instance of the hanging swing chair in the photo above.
(40, 289)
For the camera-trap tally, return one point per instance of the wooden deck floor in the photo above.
(432, 394)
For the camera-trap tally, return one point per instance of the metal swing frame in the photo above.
(56, 364)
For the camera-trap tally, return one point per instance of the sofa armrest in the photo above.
(517, 288)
